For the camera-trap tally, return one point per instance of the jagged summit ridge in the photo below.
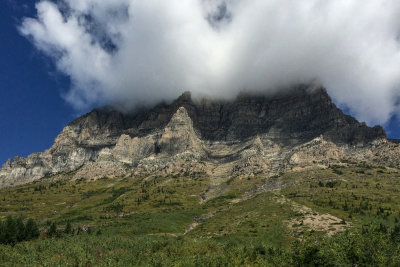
(253, 133)
(299, 114)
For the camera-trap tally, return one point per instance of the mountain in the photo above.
(291, 130)
(284, 179)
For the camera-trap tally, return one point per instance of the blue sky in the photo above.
(32, 111)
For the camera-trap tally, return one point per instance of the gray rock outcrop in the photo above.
(253, 134)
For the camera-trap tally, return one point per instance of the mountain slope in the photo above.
(292, 219)
(252, 134)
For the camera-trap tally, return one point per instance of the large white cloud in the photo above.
(142, 51)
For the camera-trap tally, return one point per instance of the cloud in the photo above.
(143, 51)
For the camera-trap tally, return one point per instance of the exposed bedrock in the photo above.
(252, 134)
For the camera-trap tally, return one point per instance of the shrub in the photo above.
(14, 230)
(52, 232)
(68, 228)
(31, 230)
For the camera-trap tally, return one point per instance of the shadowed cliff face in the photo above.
(288, 118)
(251, 134)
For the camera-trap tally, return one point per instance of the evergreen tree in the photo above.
(345, 206)
(10, 231)
(52, 230)
(14, 230)
(68, 228)
(32, 230)
(2, 232)
(89, 230)
(21, 232)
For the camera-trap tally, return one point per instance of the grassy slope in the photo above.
(143, 220)
(361, 194)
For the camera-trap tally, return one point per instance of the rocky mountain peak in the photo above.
(180, 121)
(185, 97)
(179, 135)
(252, 133)
(289, 117)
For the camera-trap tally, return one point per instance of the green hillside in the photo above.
(339, 216)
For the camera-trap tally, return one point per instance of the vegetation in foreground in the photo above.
(361, 247)
(160, 221)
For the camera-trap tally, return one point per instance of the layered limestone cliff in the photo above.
(250, 135)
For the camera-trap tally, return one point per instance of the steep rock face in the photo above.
(179, 135)
(294, 116)
(288, 118)
(252, 134)
(318, 151)
(130, 150)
